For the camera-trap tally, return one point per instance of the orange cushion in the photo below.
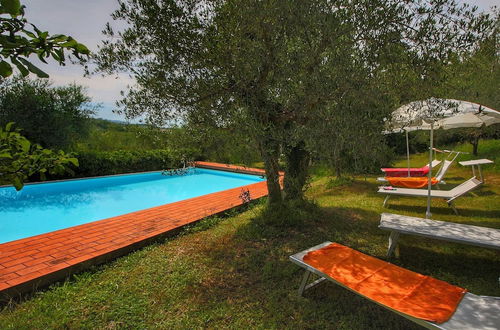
(405, 291)
(410, 182)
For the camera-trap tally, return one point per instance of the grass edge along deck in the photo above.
(34, 262)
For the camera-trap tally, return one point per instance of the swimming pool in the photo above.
(45, 207)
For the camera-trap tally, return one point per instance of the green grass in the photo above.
(234, 272)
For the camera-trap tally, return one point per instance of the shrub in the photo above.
(116, 162)
(53, 117)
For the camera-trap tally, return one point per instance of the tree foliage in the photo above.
(19, 39)
(476, 78)
(274, 67)
(20, 159)
(51, 116)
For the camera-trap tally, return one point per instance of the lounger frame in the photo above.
(473, 312)
(448, 195)
(447, 231)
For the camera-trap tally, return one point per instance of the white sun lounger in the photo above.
(448, 195)
(473, 312)
(447, 231)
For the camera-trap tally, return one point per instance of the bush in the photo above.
(116, 162)
(53, 117)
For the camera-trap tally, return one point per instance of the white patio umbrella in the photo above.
(437, 113)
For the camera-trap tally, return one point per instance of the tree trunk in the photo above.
(336, 162)
(270, 154)
(338, 170)
(475, 144)
(296, 174)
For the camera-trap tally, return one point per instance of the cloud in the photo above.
(100, 89)
(84, 21)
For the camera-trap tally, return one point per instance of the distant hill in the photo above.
(109, 123)
(110, 135)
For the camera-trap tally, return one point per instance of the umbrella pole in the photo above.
(408, 152)
(429, 180)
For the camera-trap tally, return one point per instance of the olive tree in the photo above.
(476, 78)
(53, 117)
(272, 66)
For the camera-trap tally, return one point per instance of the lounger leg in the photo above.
(303, 284)
(450, 204)
(393, 242)
(386, 199)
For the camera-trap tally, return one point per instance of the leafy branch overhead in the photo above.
(19, 39)
(20, 159)
(293, 74)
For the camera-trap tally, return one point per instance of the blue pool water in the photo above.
(45, 207)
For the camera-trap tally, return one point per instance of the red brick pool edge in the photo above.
(34, 262)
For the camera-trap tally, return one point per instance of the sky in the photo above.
(84, 20)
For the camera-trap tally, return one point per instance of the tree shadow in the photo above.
(483, 192)
(255, 259)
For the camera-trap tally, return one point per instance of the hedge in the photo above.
(116, 162)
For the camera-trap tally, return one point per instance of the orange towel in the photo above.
(410, 182)
(405, 291)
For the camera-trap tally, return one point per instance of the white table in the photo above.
(478, 163)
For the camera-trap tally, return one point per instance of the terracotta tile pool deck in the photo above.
(34, 262)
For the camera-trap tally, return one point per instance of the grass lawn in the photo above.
(234, 272)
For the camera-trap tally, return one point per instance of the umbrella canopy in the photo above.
(444, 113)
(435, 113)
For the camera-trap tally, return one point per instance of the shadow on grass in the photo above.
(484, 192)
(255, 259)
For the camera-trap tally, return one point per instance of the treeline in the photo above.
(59, 118)
(419, 141)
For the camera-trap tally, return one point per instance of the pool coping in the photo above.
(34, 262)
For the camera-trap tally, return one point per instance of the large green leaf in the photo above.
(5, 154)
(12, 7)
(58, 38)
(73, 161)
(82, 49)
(70, 43)
(5, 69)
(17, 183)
(21, 67)
(8, 127)
(25, 144)
(34, 69)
